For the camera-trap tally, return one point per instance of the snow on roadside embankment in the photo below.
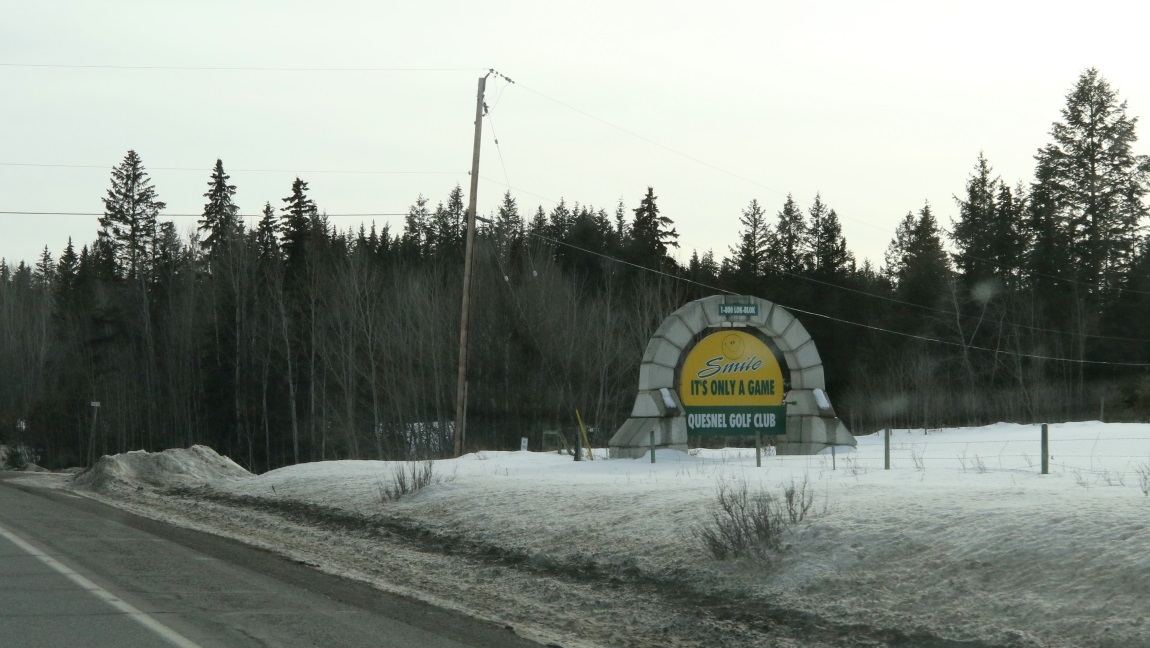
(963, 541)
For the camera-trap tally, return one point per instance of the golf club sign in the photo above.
(731, 384)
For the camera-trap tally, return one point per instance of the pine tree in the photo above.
(128, 226)
(925, 267)
(652, 234)
(448, 227)
(1089, 187)
(296, 226)
(559, 220)
(786, 250)
(221, 215)
(508, 227)
(266, 239)
(749, 258)
(67, 272)
(896, 250)
(44, 274)
(416, 238)
(830, 257)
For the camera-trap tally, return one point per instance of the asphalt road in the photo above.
(74, 572)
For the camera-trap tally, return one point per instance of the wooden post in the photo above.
(886, 449)
(833, 458)
(92, 439)
(1045, 450)
(461, 381)
(652, 446)
(758, 449)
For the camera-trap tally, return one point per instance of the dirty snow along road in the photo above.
(962, 544)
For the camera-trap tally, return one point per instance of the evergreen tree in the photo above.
(786, 250)
(925, 267)
(1089, 185)
(973, 231)
(559, 220)
(896, 250)
(749, 258)
(221, 215)
(266, 239)
(416, 238)
(448, 227)
(652, 234)
(67, 272)
(43, 276)
(508, 226)
(703, 269)
(826, 250)
(128, 226)
(538, 224)
(830, 257)
(296, 226)
(622, 229)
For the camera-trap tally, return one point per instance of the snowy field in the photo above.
(961, 543)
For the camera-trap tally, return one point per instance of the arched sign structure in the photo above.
(713, 368)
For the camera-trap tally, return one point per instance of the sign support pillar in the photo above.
(886, 449)
(1045, 450)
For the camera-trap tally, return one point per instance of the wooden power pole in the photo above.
(461, 383)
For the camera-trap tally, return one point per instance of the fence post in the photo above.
(1045, 450)
(652, 446)
(886, 449)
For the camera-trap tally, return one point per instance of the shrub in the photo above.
(407, 477)
(1143, 471)
(753, 524)
(14, 458)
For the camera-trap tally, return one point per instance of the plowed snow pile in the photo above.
(176, 468)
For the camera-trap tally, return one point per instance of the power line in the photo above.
(1063, 279)
(840, 320)
(228, 68)
(191, 215)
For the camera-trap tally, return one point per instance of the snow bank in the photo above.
(176, 468)
(962, 543)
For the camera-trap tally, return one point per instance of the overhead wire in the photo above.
(923, 338)
(162, 214)
(508, 184)
(231, 68)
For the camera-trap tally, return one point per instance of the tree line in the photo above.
(292, 340)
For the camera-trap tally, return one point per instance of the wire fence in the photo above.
(1111, 458)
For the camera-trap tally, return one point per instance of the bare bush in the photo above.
(916, 456)
(799, 499)
(979, 465)
(753, 524)
(1143, 472)
(407, 477)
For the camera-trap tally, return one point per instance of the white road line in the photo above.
(101, 593)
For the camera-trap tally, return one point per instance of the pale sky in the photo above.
(880, 106)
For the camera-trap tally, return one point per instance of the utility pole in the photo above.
(461, 382)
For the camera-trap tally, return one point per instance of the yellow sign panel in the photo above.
(731, 383)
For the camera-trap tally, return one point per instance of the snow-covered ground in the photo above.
(961, 543)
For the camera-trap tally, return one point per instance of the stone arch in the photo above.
(811, 421)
